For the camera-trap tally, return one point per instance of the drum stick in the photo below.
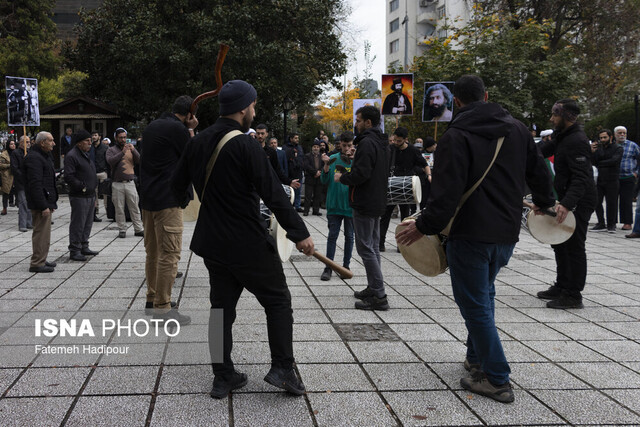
(343, 272)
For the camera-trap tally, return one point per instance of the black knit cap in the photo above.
(236, 95)
(79, 135)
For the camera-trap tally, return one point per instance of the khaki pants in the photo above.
(101, 177)
(163, 243)
(41, 238)
(121, 192)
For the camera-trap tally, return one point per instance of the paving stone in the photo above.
(334, 377)
(445, 315)
(50, 382)
(422, 332)
(564, 351)
(530, 332)
(354, 409)
(179, 353)
(409, 315)
(16, 356)
(270, 409)
(450, 373)
(630, 330)
(320, 352)
(544, 376)
(7, 377)
(353, 316)
(34, 411)
(403, 376)
(137, 354)
(585, 331)
(122, 380)
(440, 351)
(321, 332)
(623, 351)
(186, 379)
(190, 410)
(604, 374)
(382, 352)
(629, 398)
(110, 411)
(430, 408)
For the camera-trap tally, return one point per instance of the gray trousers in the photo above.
(82, 209)
(367, 231)
(24, 214)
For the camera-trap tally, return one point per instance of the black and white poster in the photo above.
(23, 106)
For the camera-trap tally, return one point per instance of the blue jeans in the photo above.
(297, 197)
(474, 267)
(334, 231)
(636, 224)
(24, 214)
(367, 231)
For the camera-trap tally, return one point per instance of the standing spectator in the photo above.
(164, 139)
(98, 157)
(80, 174)
(312, 183)
(338, 209)
(295, 161)
(65, 141)
(261, 134)
(42, 195)
(629, 169)
(17, 161)
(282, 157)
(122, 157)
(7, 176)
(368, 182)
(606, 156)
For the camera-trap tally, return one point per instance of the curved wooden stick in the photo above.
(343, 272)
(222, 53)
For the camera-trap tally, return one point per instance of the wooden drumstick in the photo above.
(343, 272)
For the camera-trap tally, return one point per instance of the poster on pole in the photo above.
(438, 102)
(397, 92)
(358, 103)
(23, 106)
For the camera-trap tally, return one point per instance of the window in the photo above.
(442, 12)
(394, 46)
(442, 33)
(394, 25)
(393, 5)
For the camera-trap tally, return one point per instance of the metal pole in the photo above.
(405, 22)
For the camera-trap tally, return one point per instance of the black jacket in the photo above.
(310, 169)
(295, 160)
(272, 155)
(607, 160)
(80, 173)
(572, 164)
(40, 180)
(406, 162)
(100, 157)
(164, 142)
(229, 222)
(493, 212)
(17, 165)
(369, 177)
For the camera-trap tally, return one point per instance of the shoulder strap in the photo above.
(466, 195)
(214, 157)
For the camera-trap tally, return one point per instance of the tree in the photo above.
(144, 58)
(66, 85)
(340, 108)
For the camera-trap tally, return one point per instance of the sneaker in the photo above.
(285, 379)
(222, 386)
(373, 303)
(173, 315)
(24, 230)
(50, 264)
(611, 230)
(599, 227)
(122, 234)
(326, 274)
(139, 233)
(77, 256)
(565, 302)
(365, 293)
(148, 307)
(552, 293)
(471, 367)
(479, 383)
(41, 269)
(88, 251)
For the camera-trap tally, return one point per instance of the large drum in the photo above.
(404, 190)
(545, 228)
(279, 234)
(426, 255)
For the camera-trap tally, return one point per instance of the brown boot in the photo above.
(4, 211)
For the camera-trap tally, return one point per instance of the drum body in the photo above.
(426, 255)
(545, 228)
(290, 192)
(404, 190)
(284, 246)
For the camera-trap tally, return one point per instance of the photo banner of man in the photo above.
(359, 103)
(23, 107)
(397, 92)
(438, 102)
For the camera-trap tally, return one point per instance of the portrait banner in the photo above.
(397, 92)
(438, 102)
(23, 106)
(358, 103)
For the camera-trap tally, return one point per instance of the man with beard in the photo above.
(230, 182)
(295, 164)
(17, 161)
(576, 192)
(439, 101)
(397, 102)
(262, 132)
(629, 170)
(606, 156)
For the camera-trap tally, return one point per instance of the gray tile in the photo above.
(545, 376)
(321, 352)
(382, 352)
(34, 411)
(266, 408)
(190, 410)
(604, 375)
(137, 354)
(321, 332)
(50, 382)
(251, 352)
(430, 408)
(629, 398)
(629, 330)
(186, 379)
(441, 351)
(564, 351)
(450, 373)
(122, 380)
(409, 315)
(353, 316)
(354, 409)
(179, 353)
(334, 377)
(422, 332)
(622, 351)
(531, 332)
(585, 331)
(110, 411)
(7, 376)
(403, 376)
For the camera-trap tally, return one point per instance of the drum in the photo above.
(404, 190)
(544, 228)
(426, 255)
(279, 234)
(290, 192)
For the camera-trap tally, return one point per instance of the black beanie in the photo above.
(236, 95)
(79, 135)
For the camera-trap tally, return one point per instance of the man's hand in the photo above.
(192, 121)
(306, 246)
(594, 146)
(318, 173)
(410, 234)
(325, 158)
(295, 183)
(336, 176)
(561, 213)
(46, 212)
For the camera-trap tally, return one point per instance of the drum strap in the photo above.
(214, 157)
(466, 195)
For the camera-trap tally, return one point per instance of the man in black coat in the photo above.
(98, 154)
(368, 182)
(312, 185)
(25, 221)
(80, 174)
(606, 156)
(262, 132)
(229, 223)
(295, 163)
(42, 195)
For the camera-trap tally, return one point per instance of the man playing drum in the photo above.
(486, 228)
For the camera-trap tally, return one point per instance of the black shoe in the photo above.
(222, 386)
(305, 214)
(89, 252)
(50, 264)
(173, 315)
(480, 384)
(299, 210)
(42, 269)
(565, 302)
(317, 213)
(326, 274)
(611, 230)
(122, 234)
(599, 227)
(471, 367)
(77, 257)
(373, 303)
(285, 379)
(148, 307)
(365, 293)
(552, 293)
(24, 230)
(179, 274)
(139, 233)
(96, 219)
(381, 248)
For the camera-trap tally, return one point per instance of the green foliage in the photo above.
(309, 130)
(67, 85)
(621, 115)
(144, 58)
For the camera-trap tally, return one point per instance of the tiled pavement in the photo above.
(579, 367)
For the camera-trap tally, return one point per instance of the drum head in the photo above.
(417, 189)
(290, 192)
(279, 234)
(545, 229)
(426, 256)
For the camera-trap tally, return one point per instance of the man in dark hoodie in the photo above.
(486, 228)
(576, 192)
(368, 182)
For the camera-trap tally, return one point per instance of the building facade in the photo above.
(65, 15)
